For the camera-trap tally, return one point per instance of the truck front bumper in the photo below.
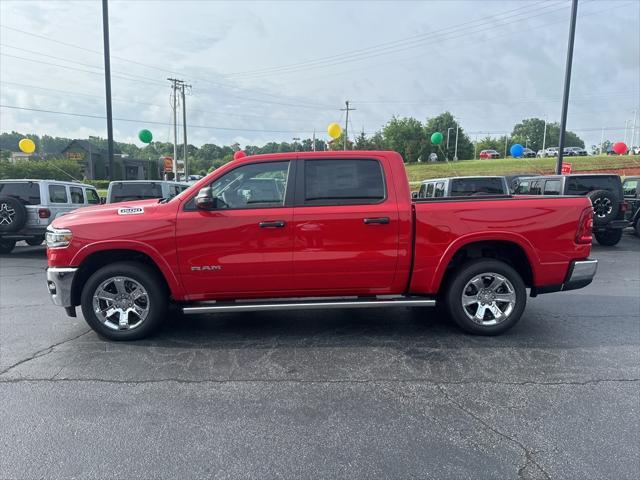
(59, 282)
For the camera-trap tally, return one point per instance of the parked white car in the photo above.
(128, 190)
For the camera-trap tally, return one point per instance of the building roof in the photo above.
(89, 147)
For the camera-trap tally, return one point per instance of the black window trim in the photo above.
(299, 198)
(189, 204)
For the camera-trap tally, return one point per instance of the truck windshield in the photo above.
(124, 192)
(462, 187)
(27, 192)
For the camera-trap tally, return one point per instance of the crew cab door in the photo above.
(346, 226)
(243, 248)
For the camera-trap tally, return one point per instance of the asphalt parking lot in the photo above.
(350, 394)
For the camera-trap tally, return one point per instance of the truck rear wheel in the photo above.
(486, 297)
(7, 246)
(124, 301)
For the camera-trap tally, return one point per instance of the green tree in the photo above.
(445, 122)
(405, 136)
(530, 132)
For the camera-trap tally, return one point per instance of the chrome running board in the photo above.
(307, 304)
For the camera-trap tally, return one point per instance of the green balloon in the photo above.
(145, 136)
(436, 138)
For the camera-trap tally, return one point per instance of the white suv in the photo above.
(27, 207)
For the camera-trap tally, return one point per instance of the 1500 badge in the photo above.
(131, 211)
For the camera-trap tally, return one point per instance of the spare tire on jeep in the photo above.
(13, 215)
(605, 206)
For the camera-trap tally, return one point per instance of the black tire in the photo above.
(6, 246)
(13, 215)
(605, 206)
(34, 242)
(145, 276)
(608, 238)
(456, 289)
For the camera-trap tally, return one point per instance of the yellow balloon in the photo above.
(334, 130)
(27, 145)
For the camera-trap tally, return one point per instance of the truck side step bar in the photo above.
(308, 303)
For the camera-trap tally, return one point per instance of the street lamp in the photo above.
(455, 152)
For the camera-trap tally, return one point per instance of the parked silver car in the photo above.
(27, 207)
(128, 190)
(463, 187)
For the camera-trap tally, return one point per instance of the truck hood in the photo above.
(107, 213)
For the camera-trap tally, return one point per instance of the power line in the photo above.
(383, 45)
(151, 122)
(233, 87)
(429, 39)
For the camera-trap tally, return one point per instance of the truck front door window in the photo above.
(258, 185)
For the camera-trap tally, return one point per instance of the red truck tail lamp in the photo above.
(585, 227)
(44, 213)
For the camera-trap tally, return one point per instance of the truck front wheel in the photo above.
(486, 297)
(124, 301)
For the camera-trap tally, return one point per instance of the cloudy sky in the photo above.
(267, 70)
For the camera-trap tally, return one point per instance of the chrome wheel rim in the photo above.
(7, 213)
(121, 303)
(488, 299)
(602, 207)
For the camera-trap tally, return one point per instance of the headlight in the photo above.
(58, 237)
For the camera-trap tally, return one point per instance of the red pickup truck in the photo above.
(315, 230)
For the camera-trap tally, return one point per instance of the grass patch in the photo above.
(505, 166)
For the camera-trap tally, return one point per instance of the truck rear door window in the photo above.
(552, 187)
(26, 192)
(522, 188)
(343, 182)
(583, 185)
(58, 194)
(439, 191)
(430, 190)
(463, 187)
(92, 197)
(125, 192)
(76, 195)
(536, 187)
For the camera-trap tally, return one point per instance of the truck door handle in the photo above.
(379, 220)
(275, 224)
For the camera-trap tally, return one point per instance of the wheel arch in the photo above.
(516, 252)
(95, 260)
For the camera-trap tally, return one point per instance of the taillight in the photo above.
(585, 227)
(44, 213)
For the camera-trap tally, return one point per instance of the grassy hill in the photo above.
(423, 171)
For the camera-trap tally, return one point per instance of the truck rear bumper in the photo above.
(580, 274)
(59, 282)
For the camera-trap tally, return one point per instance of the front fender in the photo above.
(168, 273)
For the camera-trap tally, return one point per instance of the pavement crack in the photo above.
(529, 458)
(299, 381)
(43, 352)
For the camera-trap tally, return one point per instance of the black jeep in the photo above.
(604, 191)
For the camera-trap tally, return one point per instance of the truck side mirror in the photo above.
(103, 200)
(205, 200)
(414, 194)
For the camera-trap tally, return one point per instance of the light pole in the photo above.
(567, 84)
(455, 151)
(506, 137)
(107, 84)
(544, 135)
(447, 155)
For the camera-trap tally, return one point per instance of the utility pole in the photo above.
(184, 126)
(107, 84)
(601, 140)
(544, 135)
(626, 126)
(633, 130)
(446, 157)
(567, 84)
(455, 151)
(506, 137)
(313, 141)
(346, 123)
(174, 83)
